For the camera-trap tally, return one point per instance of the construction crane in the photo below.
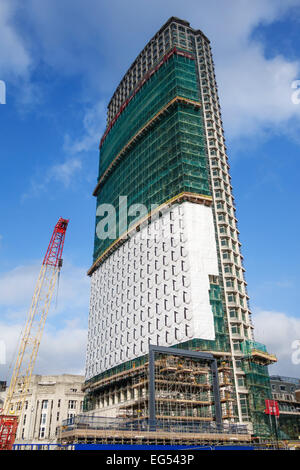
(31, 336)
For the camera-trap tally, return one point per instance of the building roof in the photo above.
(282, 378)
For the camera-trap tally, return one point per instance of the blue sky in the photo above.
(61, 61)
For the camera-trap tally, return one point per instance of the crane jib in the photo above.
(31, 336)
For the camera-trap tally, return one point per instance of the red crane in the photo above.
(31, 336)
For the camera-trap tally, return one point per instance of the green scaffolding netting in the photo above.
(170, 157)
(248, 346)
(177, 77)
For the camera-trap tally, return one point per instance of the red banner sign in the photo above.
(272, 407)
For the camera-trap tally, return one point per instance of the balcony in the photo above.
(258, 353)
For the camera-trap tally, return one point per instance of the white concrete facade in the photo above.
(154, 289)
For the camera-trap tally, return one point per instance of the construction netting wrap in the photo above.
(258, 384)
(177, 77)
(248, 346)
(157, 147)
(155, 151)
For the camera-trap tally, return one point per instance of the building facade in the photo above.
(286, 391)
(50, 400)
(167, 267)
(2, 393)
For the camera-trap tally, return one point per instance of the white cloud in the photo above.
(73, 289)
(255, 91)
(14, 57)
(62, 350)
(93, 125)
(22, 276)
(64, 172)
(76, 149)
(63, 344)
(60, 173)
(278, 331)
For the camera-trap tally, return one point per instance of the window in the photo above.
(235, 330)
(241, 382)
(72, 404)
(44, 404)
(43, 418)
(244, 404)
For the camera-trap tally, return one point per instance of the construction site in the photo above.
(171, 360)
(170, 397)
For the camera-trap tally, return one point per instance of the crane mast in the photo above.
(31, 336)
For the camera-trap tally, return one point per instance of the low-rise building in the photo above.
(50, 400)
(284, 392)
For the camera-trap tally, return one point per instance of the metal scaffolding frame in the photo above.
(185, 353)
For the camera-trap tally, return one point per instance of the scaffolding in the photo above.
(257, 353)
(171, 395)
(156, 149)
(101, 430)
(255, 362)
(182, 392)
(183, 388)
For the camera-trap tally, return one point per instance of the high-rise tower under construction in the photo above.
(168, 270)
